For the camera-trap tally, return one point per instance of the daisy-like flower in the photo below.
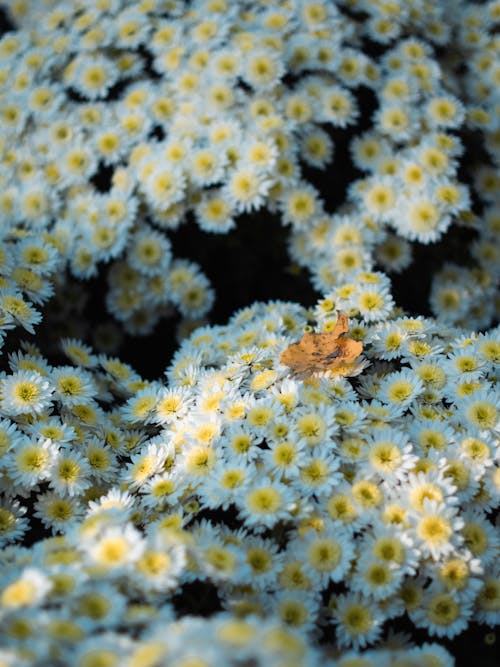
(316, 426)
(284, 458)
(449, 299)
(477, 450)
(480, 536)
(394, 254)
(53, 428)
(223, 480)
(387, 341)
(93, 77)
(101, 459)
(240, 443)
(10, 436)
(72, 385)
(146, 463)
(214, 213)
(357, 621)
(262, 70)
(488, 600)
(207, 166)
(379, 198)
(158, 568)
(264, 503)
(445, 111)
(246, 188)
(79, 353)
(389, 543)
(318, 472)
(326, 554)
(261, 554)
(163, 489)
(13, 523)
(422, 220)
(56, 511)
(300, 205)
(432, 653)
(172, 404)
(70, 473)
(389, 454)
(31, 462)
(488, 347)
(437, 529)
(297, 609)
(430, 434)
(317, 148)
(149, 252)
(261, 414)
(132, 28)
(376, 578)
(419, 350)
(461, 573)
(338, 106)
(397, 121)
(374, 302)
(452, 197)
(442, 613)
(106, 647)
(400, 388)
(115, 548)
(25, 392)
(195, 299)
(431, 485)
(26, 591)
(164, 185)
(141, 407)
(99, 605)
(350, 417)
(222, 561)
(482, 410)
(120, 502)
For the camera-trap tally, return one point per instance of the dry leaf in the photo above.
(324, 351)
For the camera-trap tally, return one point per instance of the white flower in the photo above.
(70, 473)
(436, 529)
(358, 622)
(264, 503)
(57, 512)
(32, 461)
(400, 388)
(115, 548)
(326, 555)
(376, 578)
(72, 385)
(442, 613)
(246, 188)
(172, 404)
(27, 590)
(159, 567)
(146, 463)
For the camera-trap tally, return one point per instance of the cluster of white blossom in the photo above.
(332, 504)
(461, 294)
(209, 109)
(411, 192)
(319, 513)
(29, 264)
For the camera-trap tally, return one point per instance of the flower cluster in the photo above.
(464, 294)
(355, 502)
(134, 117)
(313, 518)
(29, 263)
